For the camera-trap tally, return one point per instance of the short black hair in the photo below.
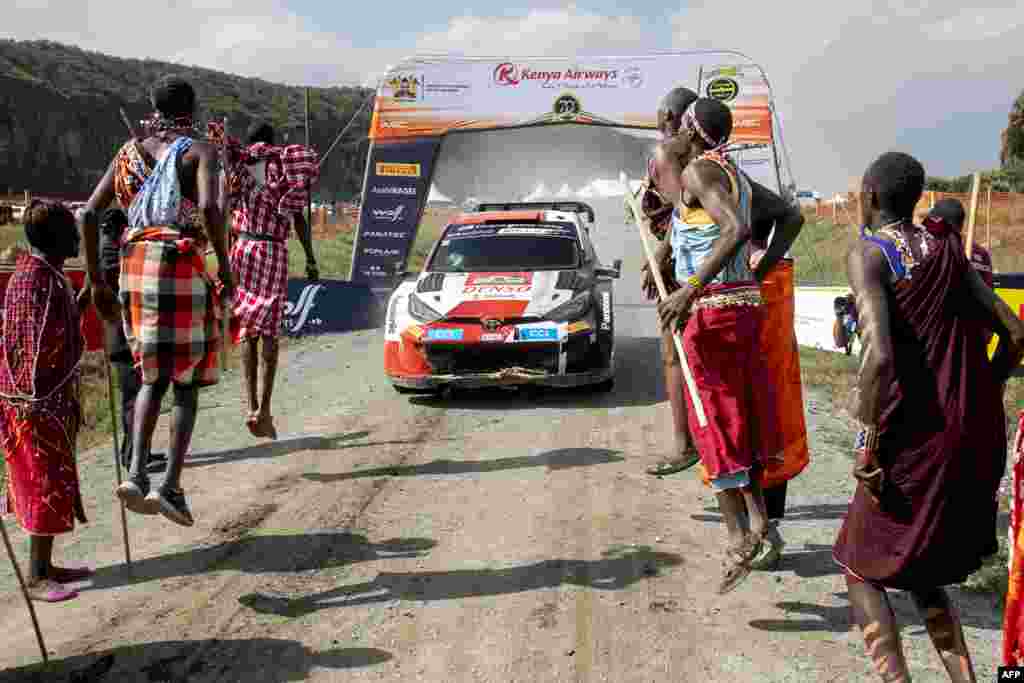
(45, 223)
(715, 119)
(898, 180)
(260, 131)
(173, 96)
(677, 101)
(949, 210)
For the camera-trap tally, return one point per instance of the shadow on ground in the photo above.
(256, 554)
(197, 660)
(794, 513)
(619, 567)
(560, 459)
(286, 447)
(638, 383)
(976, 611)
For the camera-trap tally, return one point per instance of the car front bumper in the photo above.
(506, 377)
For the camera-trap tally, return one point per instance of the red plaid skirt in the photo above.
(171, 308)
(261, 287)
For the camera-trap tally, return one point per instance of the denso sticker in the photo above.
(446, 333)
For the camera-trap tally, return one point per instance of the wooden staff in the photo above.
(648, 239)
(974, 211)
(228, 305)
(117, 445)
(24, 590)
(988, 221)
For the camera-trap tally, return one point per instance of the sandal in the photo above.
(133, 492)
(264, 427)
(687, 459)
(50, 591)
(771, 552)
(171, 504)
(738, 562)
(252, 422)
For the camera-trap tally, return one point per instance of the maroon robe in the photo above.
(942, 439)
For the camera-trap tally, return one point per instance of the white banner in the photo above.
(814, 316)
(428, 97)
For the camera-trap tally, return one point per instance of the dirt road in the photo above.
(489, 538)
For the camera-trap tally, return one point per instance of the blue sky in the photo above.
(853, 78)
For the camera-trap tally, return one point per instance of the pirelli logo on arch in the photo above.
(398, 170)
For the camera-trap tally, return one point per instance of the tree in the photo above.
(1012, 147)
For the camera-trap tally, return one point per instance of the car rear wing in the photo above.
(569, 207)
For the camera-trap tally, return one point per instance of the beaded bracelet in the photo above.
(867, 439)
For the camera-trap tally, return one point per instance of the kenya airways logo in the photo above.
(390, 215)
(508, 73)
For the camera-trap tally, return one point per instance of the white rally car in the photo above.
(511, 294)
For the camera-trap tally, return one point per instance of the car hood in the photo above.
(502, 295)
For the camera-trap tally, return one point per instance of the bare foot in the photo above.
(48, 590)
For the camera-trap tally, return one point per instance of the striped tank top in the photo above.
(694, 233)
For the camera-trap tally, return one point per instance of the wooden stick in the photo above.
(988, 222)
(647, 239)
(117, 447)
(227, 305)
(24, 590)
(976, 186)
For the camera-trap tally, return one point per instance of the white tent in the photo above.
(436, 197)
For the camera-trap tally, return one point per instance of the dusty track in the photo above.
(490, 538)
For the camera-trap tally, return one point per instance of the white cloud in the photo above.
(855, 79)
(851, 78)
(540, 32)
(256, 38)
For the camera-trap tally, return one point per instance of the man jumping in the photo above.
(710, 241)
(268, 187)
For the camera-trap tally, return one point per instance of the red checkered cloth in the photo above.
(171, 307)
(261, 267)
(261, 287)
(39, 408)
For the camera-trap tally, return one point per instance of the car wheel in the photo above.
(605, 386)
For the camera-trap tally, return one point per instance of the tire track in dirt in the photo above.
(205, 607)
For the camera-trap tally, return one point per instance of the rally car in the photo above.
(511, 294)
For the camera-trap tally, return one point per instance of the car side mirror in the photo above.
(614, 272)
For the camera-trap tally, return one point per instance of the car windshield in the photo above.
(506, 247)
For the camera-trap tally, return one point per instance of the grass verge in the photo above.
(837, 374)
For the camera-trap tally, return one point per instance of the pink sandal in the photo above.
(50, 591)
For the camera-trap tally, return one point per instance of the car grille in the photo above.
(460, 361)
(577, 354)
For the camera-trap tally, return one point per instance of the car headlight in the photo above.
(421, 311)
(573, 309)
